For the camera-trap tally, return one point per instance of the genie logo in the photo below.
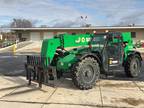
(82, 39)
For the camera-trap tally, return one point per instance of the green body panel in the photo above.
(130, 46)
(127, 37)
(66, 62)
(48, 50)
(76, 40)
(49, 46)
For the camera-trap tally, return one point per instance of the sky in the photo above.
(67, 13)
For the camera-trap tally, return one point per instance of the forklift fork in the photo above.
(41, 75)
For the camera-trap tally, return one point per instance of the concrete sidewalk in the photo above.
(33, 47)
(14, 93)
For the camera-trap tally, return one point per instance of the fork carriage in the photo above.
(38, 70)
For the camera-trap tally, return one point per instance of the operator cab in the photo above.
(112, 54)
(115, 48)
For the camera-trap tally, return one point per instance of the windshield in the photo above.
(98, 41)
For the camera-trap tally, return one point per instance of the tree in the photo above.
(21, 23)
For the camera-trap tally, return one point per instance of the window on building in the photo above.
(133, 34)
(20, 36)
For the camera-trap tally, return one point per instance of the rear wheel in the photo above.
(132, 66)
(86, 73)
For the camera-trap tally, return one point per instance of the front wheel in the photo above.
(132, 66)
(85, 73)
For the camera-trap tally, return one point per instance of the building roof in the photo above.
(79, 28)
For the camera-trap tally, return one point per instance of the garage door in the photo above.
(48, 35)
(35, 36)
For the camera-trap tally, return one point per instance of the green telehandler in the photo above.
(90, 56)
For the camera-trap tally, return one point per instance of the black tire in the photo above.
(133, 66)
(85, 73)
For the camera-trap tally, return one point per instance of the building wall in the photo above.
(35, 36)
(23, 35)
(43, 34)
(26, 35)
(139, 35)
(40, 35)
(47, 35)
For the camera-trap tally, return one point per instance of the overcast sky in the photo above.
(66, 13)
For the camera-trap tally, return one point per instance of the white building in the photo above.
(37, 34)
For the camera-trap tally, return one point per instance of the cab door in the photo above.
(112, 54)
(115, 50)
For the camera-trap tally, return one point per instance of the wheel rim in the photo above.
(135, 67)
(88, 73)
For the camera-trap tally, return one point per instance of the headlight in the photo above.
(61, 63)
